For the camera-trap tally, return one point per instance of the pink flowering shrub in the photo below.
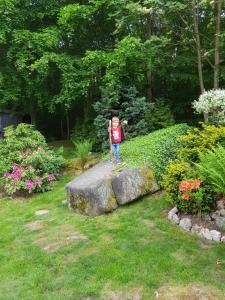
(26, 162)
(26, 179)
(193, 197)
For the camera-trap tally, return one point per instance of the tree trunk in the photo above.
(198, 45)
(33, 114)
(218, 6)
(67, 126)
(149, 72)
(198, 50)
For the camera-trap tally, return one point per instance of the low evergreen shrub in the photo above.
(156, 148)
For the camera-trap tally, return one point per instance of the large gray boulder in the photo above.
(102, 188)
(130, 184)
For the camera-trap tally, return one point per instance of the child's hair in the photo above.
(115, 118)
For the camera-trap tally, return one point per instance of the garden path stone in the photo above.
(220, 204)
(101, 188)
(41, 212)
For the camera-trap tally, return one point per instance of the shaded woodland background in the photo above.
(66, 66)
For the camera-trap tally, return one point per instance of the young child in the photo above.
(115, 137)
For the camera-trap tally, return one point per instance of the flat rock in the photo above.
(41, 212)
(185, 223)
(101, 189)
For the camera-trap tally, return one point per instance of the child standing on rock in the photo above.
(116, 136)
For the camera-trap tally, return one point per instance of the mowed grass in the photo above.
(132, 253)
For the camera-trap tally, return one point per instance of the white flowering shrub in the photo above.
(212, 103)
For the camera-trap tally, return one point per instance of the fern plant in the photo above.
(82, 151)
(212, 167)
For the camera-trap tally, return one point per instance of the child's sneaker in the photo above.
(118, 162)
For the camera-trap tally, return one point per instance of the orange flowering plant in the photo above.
(193, 197)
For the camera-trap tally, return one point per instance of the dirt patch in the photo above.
(149, 223)
(121, 295)
(35, 225)
(193, 292)
(55, 238)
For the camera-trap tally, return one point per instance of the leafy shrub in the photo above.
(193, 197)
(212, 166)
(175, 172)
(26, 165)
(157, 148)
(15, 141)
(160, 116)
(198, 140)
(82, 152)
(212, 103)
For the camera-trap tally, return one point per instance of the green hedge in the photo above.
(156, 148)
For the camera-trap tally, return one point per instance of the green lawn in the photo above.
(128, 254)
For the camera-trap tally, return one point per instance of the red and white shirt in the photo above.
(116, 134)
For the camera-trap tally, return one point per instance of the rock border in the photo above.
(186, 224)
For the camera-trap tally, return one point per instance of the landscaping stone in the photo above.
(172, 212)
(206, 217)
(101, 188)
(41, 212)
(196, 229)
(205, 232)
(223, 239)
(220, 222)
(185, 223)
(216, 235)
(175, 219)
(214, 215)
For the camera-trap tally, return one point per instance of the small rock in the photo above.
(214, 215)
(216, 235)
(175, 219)
(185, 223)
(223, 239)
(41, 212)
(220, 222)
(220, 204)
(205, 232)
(172, 212)
(196, 229)
(222, 212)
(206, 217)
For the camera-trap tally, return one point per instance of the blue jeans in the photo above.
(116, 149)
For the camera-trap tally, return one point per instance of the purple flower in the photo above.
(7, 175)
(29, 186)
(37, 181)
(50, 177)
(17, 175)
(27, 181)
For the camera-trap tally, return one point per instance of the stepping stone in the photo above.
(41, 212)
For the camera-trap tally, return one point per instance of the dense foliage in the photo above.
(155, 148)
(57, 56)
(193, 148)
(26, 162)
